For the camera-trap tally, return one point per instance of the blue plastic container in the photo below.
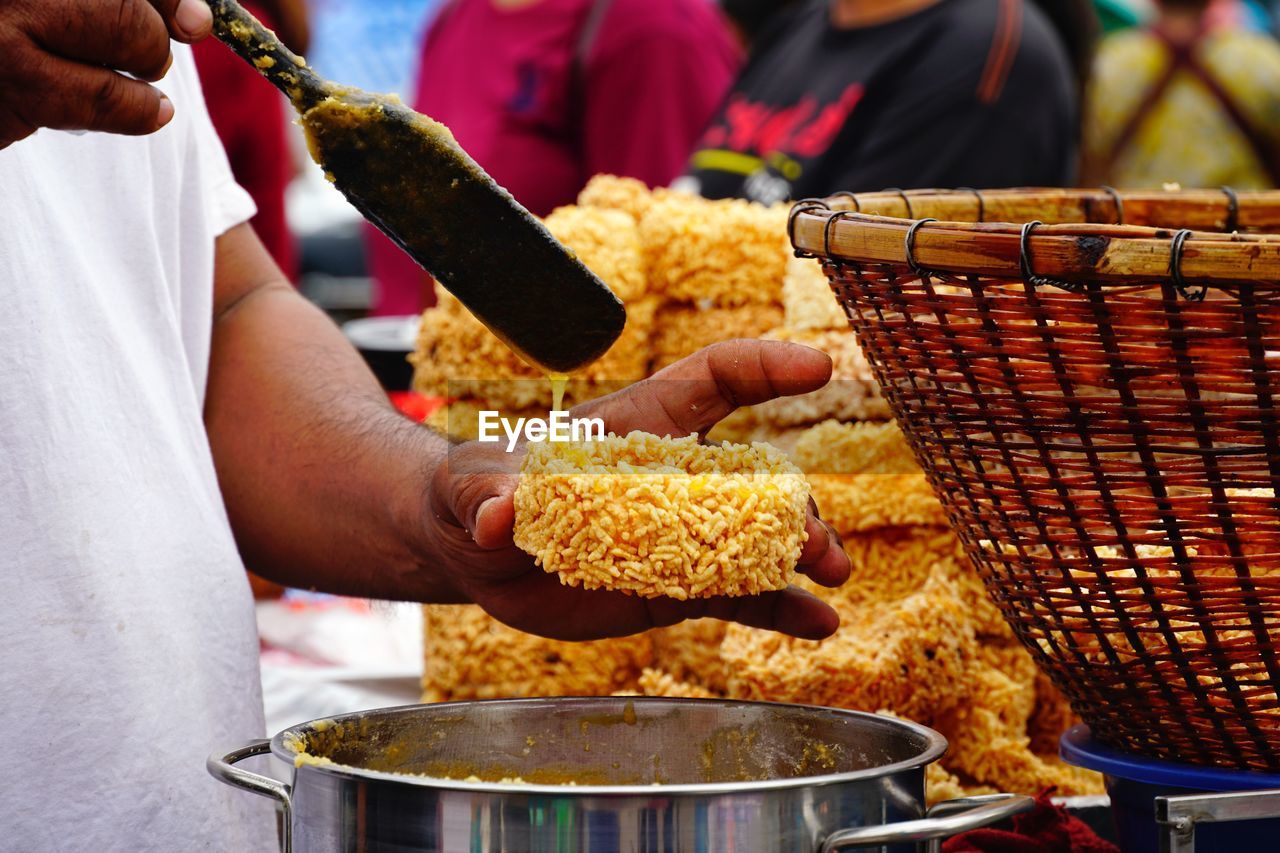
(1134, 782)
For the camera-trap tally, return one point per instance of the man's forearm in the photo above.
(322, 478)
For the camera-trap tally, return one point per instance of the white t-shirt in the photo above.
(128, 650)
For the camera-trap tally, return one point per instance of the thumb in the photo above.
(494, 525)
(482, 502)
(188, 20)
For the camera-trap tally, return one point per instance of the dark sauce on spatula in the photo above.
(408, 176)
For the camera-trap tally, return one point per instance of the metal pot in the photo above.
(385, 343)
(608, 774)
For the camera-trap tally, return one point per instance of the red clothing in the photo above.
(542, 112)
(250, 117)
(1047, 829)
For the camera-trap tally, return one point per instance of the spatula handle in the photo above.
(259, 47)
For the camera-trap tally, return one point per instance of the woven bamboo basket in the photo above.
(1097, 405)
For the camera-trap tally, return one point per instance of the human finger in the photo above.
(695, 393)
(477, 489)
(791, 611)
(83, 97)
(13, 129)
(538, 603)
(823, 558)
(127, 35)
(187, 20)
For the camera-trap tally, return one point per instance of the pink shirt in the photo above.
(543, 115)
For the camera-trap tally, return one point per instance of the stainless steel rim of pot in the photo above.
(934, 750)
(858, 829)
(941, 821)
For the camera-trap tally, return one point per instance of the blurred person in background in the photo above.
(546, 93)
(1079, 25)
(866, 94)
(1185, 101)
(749, 18)
(251, 118)
(1120, 14)
(1077, 22)
(1247, 14)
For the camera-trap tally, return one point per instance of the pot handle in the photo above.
(943, 820)
(223, 768)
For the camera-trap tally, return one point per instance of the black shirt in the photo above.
(974, 93)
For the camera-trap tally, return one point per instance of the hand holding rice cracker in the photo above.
(647, 527)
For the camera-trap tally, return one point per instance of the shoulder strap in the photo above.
(1006, 38)
(1177, 60)
(578, 72)
(587, 35)
(1263, 149)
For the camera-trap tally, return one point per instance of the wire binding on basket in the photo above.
(857, 205)
(1233, 210)
(916, 269)
(982, 203)
(826, 232)
(1024, 261)
(902, 194)
(1175, 268)
(804, 205)
(1117, 201)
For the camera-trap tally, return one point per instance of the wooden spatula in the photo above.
(408, 176)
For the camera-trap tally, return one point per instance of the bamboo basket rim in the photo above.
(1069, 251)
(1223, 209)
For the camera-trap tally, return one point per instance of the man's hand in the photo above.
(471, 511)
(63, 63)
(328, 487)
